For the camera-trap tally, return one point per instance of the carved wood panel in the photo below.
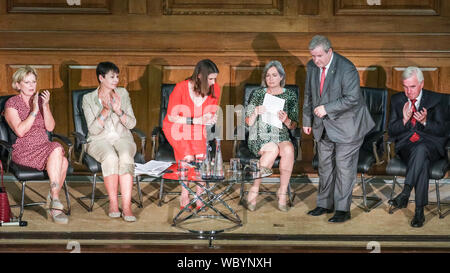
(384, 7)
(59, 6)
(372, 76)
(137, 86)
(223, 7)
(177, 73)
(308, 7)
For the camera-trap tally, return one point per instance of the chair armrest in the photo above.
(155, 135)
(374, 139)
(390, 146)
(139, 133)
(6, 145)
(80, 137)
(142, 137)
(447, 146)
(297, 134)
(66, 141)
(9, 148)
(156, 131)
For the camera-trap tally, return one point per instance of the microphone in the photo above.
(17, 223)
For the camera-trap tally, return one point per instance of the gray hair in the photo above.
(412, 70)
(280, 70)
(319, 40)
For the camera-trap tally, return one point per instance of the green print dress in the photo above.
(260, 132)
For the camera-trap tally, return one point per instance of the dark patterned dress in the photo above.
(260, 132)
(34, 148)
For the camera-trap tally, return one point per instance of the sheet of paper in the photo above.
(273, 105)
(152, 168)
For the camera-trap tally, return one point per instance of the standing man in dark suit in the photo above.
(335, 111)
(417, 126)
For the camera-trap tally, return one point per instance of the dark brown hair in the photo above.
(200, 77)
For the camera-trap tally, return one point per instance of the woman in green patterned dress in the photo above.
(268, 141)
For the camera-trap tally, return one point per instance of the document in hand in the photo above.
(273, 105)
(152, 168)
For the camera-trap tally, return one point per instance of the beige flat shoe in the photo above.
(282, 207)
(59, 218)
(114, 214)
(130, 218)
(54, 203)
(251, 206)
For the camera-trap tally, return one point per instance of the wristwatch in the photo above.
(101, 117)
(189, 120)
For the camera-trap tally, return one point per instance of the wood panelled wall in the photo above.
(159, 41)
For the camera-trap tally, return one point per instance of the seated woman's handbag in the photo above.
(5, 209)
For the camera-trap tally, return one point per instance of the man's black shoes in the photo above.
(401, 201)
(419, 218)
(340, 216)
(319, 211)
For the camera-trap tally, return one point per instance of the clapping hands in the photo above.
(45, 95)
(420, 116)
(116, 103)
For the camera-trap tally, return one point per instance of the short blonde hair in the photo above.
(22, 73)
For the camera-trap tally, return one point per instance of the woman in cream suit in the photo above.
(109, 117)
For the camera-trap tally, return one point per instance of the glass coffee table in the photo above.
(216, 215)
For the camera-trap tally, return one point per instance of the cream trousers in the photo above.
(116, 157)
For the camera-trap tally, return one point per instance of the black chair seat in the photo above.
(93, 165)
(165, 152)
(365, 161)
(26, 173)
(398, 168)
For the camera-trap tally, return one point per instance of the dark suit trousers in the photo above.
(419, 156)
(338, 163)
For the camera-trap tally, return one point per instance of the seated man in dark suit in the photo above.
(416, 125)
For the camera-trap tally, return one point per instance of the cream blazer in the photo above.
(113, 128)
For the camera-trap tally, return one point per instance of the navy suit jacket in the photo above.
(433, 134)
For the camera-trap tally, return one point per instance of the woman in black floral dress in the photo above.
(268, 141)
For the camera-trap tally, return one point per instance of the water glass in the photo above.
(183, 167)
(254, 167)
(235, 164)
(198, 168)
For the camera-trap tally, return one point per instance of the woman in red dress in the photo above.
(29, 116)
(192, 105)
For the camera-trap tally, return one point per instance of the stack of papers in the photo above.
(151, 168)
